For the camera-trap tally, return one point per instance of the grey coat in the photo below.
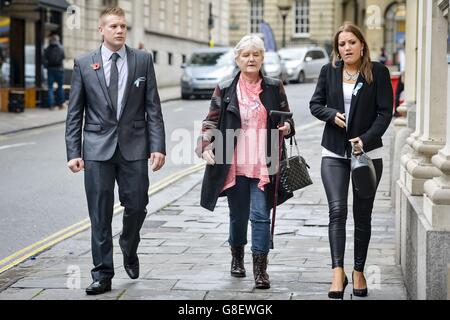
(140, 128)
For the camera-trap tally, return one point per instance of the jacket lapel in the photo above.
(97, 59)
(340, 90)
(356, 93)
(131, 61)
(231, 99)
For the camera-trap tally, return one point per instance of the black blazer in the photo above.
(370, 111)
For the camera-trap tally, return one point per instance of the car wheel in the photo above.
(301, 77)
(185, 96)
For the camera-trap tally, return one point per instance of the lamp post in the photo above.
(284, 6)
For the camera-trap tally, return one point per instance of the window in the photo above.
(256, 15)
(183, 58)
(110, 3)
(169, 58)
(302, 17)
(318, 55)
(155, 56)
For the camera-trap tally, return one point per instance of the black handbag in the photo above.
(364, 177)
(294, 173)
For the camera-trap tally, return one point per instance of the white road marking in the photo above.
(16, 145)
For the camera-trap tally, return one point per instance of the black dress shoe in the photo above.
(338, 294)
(359, 292)
(131, 267)
(99, 287)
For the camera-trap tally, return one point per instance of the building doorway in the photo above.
(394, 30)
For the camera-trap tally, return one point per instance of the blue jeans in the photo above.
(55, 75)
(246, 200)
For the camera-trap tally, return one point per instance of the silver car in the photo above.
(204, 69)
(273, 67)
(304, 62)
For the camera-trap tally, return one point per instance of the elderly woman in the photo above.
(236, 144)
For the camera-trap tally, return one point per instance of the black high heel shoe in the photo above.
(338, 294)
(358, 292)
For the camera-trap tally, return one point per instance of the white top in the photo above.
(122, 68)
(347, 89)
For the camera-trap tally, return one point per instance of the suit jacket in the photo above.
(140, 128)
(370, 111)
(224, 115)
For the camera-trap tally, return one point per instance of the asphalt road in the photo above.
(38, 194)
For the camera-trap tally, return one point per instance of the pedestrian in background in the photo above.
(354, 98)
(53, 62)
(383, 57)
(241, 105)
(401, 61)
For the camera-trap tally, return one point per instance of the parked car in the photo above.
(273, 67)
(303, 63)
(204, 69)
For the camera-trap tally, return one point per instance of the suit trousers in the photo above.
(335, 177)
(99, 180)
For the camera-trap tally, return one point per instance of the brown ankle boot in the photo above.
(237, 262)
(259, 271)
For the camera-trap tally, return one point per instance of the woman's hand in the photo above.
(208, 156)
(286, 129)
(357, 142)
(339, 119)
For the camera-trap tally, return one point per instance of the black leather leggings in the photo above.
(335, 177)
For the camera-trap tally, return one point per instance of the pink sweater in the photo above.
(249, 158)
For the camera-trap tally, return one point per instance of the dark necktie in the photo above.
(114, 81)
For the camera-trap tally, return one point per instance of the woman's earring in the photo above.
(362, 53)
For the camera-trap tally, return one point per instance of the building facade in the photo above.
(306, 21)
(169, 29)
(422, 150)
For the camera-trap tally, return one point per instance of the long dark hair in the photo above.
(366, 64)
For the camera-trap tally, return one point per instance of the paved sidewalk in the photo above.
(41, 117)
(184, 252)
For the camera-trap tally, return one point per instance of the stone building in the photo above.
(422, 153)
(306, 21)
(382, 21)
(169, 29)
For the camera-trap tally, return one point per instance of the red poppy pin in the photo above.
(95, 66)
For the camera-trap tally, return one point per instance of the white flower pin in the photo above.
(138, 80)
(358, 86)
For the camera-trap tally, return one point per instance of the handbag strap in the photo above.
(290, 146)
(353, 150)
(290, 150)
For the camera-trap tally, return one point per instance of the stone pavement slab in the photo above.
(184, 252)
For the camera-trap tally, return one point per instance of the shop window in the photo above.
(5, 24)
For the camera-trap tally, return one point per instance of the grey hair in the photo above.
(247, 42)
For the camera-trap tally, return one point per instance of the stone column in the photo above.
(410, 76)
(419, 27)
(434, 101)
(437, 190)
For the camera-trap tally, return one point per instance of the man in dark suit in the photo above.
(114, 89)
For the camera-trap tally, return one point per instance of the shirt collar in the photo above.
(106, 53)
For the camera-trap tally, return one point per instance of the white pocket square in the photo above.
(138, 80)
